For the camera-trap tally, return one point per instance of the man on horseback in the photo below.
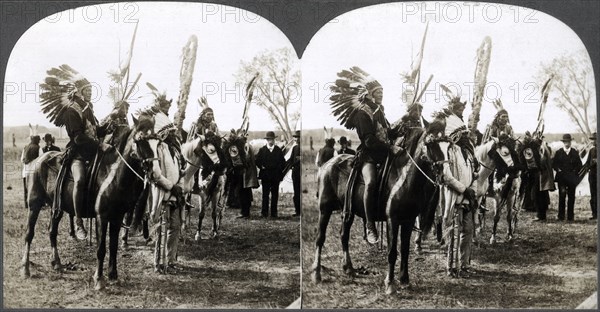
(357, 103)
(500, 126)
(83, 131)
(459, 197)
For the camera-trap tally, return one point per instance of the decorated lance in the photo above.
(121, 91)
(249, 94)
(185, 77)
(481, 70)
(539, 129)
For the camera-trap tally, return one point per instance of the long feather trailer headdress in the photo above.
(349, 92)
(58, 91)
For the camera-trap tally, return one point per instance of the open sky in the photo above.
(382, 40)
(91, 40)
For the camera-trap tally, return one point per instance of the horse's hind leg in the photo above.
(346, 225)
(113, 247)
(99, 282)
(215, 218)
(393, 226)
(34, 212)
(54, 223)
(323, 222)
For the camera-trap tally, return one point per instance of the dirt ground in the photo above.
(548, 265)
(254, 263)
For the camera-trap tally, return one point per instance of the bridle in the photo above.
(143, 161)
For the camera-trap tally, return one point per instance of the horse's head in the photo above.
(145, 144)
(235, 149)
(437, 145)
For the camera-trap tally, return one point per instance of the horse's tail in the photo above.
(140, 208)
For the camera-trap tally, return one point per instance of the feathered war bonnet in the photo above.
(454, 126)
(204, 106)
(163, 126)
(349, 94)
(59, 90)
(501, 110)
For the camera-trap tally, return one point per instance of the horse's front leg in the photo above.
(392, 226)
(324, 217)
(99, 282)
(497, 211)
(54, 223)
(201, 213)
(113, 247)
(214, 216)
(405, 233)
(347, 221)
(34, 212)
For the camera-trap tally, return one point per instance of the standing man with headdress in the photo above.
(67, 101)
(270, 160)
(168, 186)
(567, 164)
(459, 198)
(30, 152)
(358, 104)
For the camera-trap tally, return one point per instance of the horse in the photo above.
(507, 188)
(408, 189)
(211, 192)
(119, 183)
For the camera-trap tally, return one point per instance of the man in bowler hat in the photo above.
(344, 149)
(567, 164)
(271, 162)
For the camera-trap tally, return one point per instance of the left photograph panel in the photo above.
(150, 160)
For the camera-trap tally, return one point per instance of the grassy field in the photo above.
(548, 265)
(254, 263)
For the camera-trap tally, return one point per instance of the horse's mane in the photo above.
(481, 151)
(187, 149)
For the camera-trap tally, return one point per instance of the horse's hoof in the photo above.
(418, 249)
(113, 276)
(492, 240)
(349, 271)
(215, 234)
(316, 277)
(390, 287)
(198, 237)
(99, 284)
(509, 238)
(25, 271)
(56, 265)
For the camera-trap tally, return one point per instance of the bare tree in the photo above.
(573, 84)
(278, 87)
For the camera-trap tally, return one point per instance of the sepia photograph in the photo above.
(299, 155)
(454, 163)
(150, 160)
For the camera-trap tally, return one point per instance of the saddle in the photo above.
(355, 179)
(89, 192)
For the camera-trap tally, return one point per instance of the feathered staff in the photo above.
(185, 77)
(481, 70)
(540, 119)
(121, 91)
(249, 94)
(414, 77)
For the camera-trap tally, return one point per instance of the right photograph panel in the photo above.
(448, 160)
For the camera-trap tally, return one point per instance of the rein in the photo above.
(129, 166)
(419, 168)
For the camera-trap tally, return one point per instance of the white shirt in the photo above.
(567, 150)
(271, 148)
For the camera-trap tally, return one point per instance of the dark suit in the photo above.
(346, 151)
(591, 164)
(271, 166)
(295, 160)
(47, 148)
(567, 166)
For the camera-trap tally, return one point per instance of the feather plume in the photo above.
(348, 94)
(57, 91)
